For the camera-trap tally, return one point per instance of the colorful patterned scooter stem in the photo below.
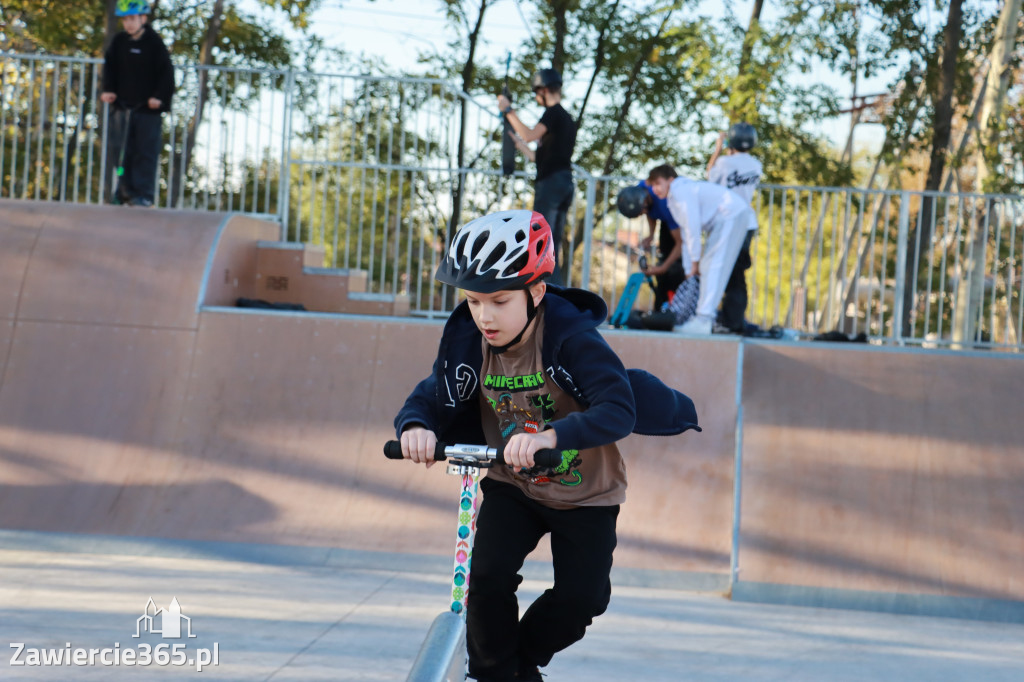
(464, 544)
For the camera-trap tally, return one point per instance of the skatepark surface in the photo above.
(348, 617)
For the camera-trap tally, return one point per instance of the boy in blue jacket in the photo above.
(522, 365)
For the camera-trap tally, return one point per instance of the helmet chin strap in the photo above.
(531, 312)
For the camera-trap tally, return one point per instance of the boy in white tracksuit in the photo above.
(704, 207)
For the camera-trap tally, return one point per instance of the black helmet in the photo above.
(742, 137)
(546, 78)
(631, 201)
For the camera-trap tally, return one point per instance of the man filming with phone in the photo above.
(555, 135)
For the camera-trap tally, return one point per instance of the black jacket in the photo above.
(575, 356)
(136, 70)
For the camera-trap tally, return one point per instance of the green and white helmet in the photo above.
(127, 8)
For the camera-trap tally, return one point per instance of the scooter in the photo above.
(443, 653)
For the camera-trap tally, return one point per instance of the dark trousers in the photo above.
(552, 198)
(734, 301)
(141, 152)
(670, 281)
(508, 528)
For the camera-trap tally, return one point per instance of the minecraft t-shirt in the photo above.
(518, 396)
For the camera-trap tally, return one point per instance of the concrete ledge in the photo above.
(997, 610)
(284, 246)
(331, 272)
(366, 296)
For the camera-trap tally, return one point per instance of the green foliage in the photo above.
(77, 28)
(53, 26)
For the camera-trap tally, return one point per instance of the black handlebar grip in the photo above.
(548, 458)
(393, 450)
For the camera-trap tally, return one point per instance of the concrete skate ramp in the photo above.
(134, 402)
(883, 471)
(127, 408)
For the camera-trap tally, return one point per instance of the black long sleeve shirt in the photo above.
(136, 70)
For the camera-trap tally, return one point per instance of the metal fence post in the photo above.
(902, 235)
(284, 182)
(588, 230)
(737, 484)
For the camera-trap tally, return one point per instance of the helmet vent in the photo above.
(478, 244)
(460, 243)
(493, 257)
(517, 266)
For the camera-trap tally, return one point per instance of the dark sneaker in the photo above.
(143, 202)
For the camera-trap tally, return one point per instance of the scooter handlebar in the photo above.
(548, 457)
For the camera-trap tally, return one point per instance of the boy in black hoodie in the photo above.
(522, 365)
(138, 79)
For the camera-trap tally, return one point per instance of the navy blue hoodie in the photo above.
(136, 70)
(577, 359)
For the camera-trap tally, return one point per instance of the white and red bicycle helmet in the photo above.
(499, 251)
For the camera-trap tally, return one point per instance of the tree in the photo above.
(990, 118)
(216, 33)
(942, 121)
(971, 283)
(53, 26)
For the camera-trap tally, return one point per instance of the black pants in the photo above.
(670, 281)
(552, 198)
(734, 301)
(141, 152)
(508, 528)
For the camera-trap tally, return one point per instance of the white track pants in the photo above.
(721, 249)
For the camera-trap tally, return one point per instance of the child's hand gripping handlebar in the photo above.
(475, 454)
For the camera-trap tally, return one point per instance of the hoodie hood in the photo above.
(577, 311)
(660, 410)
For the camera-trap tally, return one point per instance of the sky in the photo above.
(397, 31)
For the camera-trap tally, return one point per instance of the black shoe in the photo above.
(142, 202)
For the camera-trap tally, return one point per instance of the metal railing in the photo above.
(925, 268)
(222, 141)
(380, 171)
